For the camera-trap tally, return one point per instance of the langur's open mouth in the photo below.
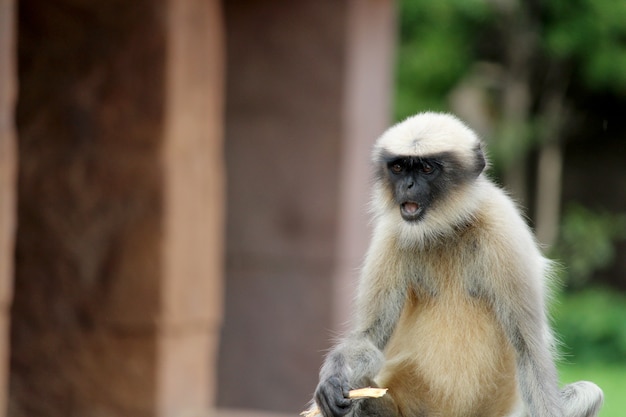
(410, 210)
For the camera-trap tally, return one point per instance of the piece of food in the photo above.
(355, 393)
(367, 392)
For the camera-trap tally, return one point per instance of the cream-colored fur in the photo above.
(451, 313)
(449, 354)
(428, 133)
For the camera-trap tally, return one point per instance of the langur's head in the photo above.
(425, 166)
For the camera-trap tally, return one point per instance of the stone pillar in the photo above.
(117, 293)
(283, 133)
(309, 87)
(8, 190)
(367, 113)
(194, 208)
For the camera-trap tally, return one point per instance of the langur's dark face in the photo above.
(418, 183)
(414, 184)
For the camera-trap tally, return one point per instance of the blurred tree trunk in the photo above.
(513, 140)
(548, 202)
(519, 28)
(550, 159)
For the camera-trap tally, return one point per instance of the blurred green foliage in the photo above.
(580, 44)
(440, 40)
(592, 326)
(609, 377)
(587, 243)
(437, 46)
(592, 34)
(583, 41)
(592, 322)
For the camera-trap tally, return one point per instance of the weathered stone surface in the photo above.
(120, 198)
(98, 373)
(283, 131)
(369, 65)
(305, 87)
(87, 289)
(194, 161)
(194, 203)
(185, 387)
(8, 182)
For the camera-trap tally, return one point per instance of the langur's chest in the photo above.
(449, 309)
(453, 340)
(449, 275)
(446, 316)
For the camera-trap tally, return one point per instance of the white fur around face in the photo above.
(422, 135)
(439, 222)
(427, 134)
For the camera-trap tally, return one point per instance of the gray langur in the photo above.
(451, 305)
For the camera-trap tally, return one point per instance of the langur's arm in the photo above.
(537, 375)
(521, 306)
(380, 299)
(355, 361)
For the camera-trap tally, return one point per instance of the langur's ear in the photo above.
(479, 160)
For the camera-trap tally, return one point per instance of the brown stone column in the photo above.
(120, 208)
(367, 113)
(8, 190)
(194, 208)
(283, 127)
(308, 91)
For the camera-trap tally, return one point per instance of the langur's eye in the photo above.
(397, 168)
(426, 168)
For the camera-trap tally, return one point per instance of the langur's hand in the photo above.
(331, 397)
